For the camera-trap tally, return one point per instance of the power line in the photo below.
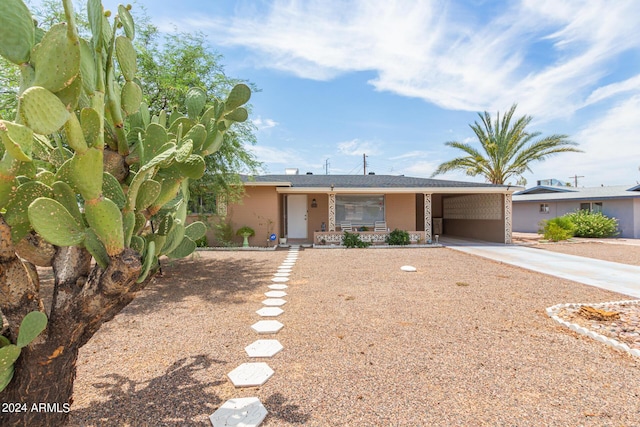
(575, 179)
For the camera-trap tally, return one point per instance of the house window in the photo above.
(594, 207)
(360, 210)
(203, 204)
(544, 208)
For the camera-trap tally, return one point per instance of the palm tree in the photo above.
(508, 149)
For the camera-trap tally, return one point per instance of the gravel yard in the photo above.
(463, 341)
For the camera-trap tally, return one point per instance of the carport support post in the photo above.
(427, 217)
(507, 219)
(332, 211)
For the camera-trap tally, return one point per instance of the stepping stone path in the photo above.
(244, 411)
(270, 311)
(275, 294)
(263, 348)
(250, 374)
(274, 302)
(249, 411)
(267, 326)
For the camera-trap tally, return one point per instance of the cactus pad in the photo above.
(30, 327)
(54, 223)
(17, 139)
(185, 248)
(239, 95)
(56, 59)
(137, 244)
(193, 167)
(127, 21)
(147, 194)
(240, 114)
(148, 261)
(16, 31)
(131, 97)
(95, 13)
(63, 194)
(197, 134)
(195, 230)
(25, 194)
(195, 101)
(95, 247)
(126, 57)
(105, 219)
(184, 150)
(111, 189)
(42, 111)
(86, 173)
(8, 355)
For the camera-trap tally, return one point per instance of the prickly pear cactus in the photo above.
(83, 163)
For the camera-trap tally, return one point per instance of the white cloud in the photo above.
(615, 132)
(356, 147)
(263, 124)
(443, 51)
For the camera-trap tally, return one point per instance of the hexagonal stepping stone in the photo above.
(274, 302)
(280, 279)
(267, 326)
(290, 266)
(409, 268)
(242, 411)
(270, 311)
(263, 348)
(275, 294)
(284, 270)
(250, 374)
(281, 274)
(277, 287)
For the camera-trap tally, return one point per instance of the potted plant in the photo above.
(245, 232)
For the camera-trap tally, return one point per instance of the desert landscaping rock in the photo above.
(407, 349)
(408, 268)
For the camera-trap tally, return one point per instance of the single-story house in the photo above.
(315, 208)
(546, 201)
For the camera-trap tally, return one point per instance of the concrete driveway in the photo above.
(613, 276)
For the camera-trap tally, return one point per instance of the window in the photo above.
(594, 207)
(544, 208)
(359, 210)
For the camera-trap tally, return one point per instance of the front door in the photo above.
(297, 216)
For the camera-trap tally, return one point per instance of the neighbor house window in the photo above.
(359, 210)
(544, 208)
(591, 207)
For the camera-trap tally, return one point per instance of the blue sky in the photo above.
(397, 79)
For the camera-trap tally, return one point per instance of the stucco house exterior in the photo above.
(312, 208)
(545, 202)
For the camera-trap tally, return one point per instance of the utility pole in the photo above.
(364, 163)
(575, 179)
(326, 167)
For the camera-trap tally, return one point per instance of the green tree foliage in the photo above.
(507, 148)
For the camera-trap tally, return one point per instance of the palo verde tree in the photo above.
(84, 174)
(507, 148)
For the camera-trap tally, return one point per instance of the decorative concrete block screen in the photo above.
(473, 206)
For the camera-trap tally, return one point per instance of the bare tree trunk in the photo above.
(84, 298)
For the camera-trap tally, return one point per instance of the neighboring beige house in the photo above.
(312, 208)
(548, 201)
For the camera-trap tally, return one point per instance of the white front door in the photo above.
(297, 216)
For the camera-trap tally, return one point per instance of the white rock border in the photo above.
(554, 310)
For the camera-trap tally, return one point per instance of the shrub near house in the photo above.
(581, 223)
